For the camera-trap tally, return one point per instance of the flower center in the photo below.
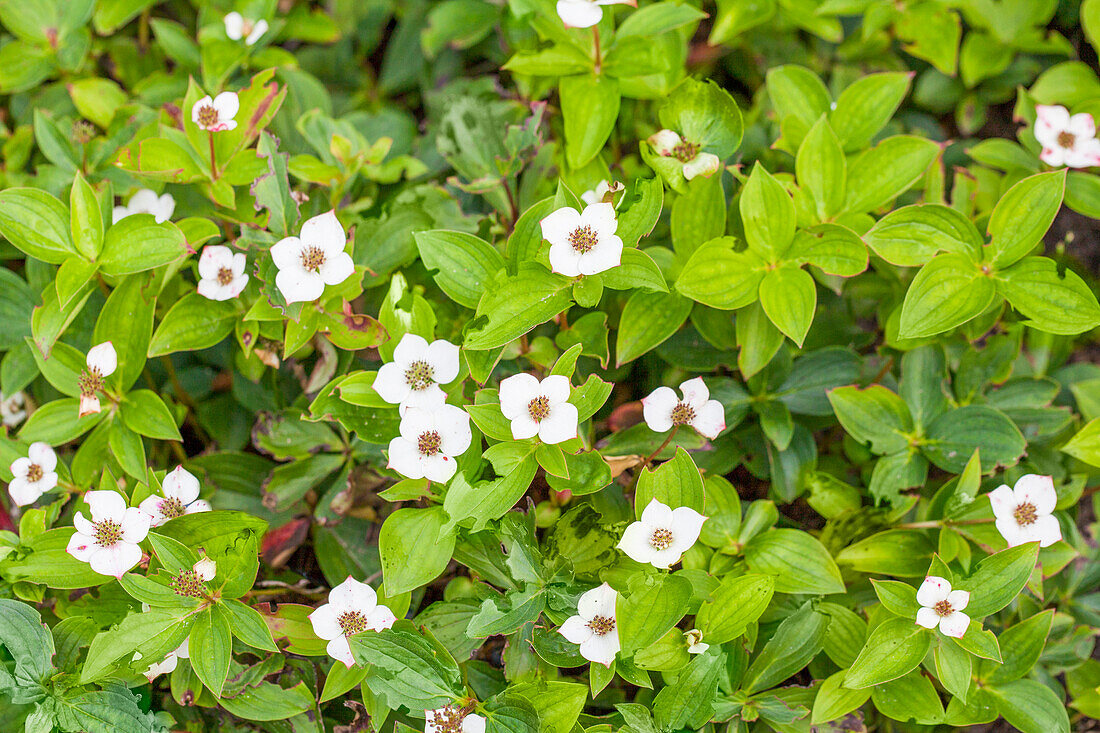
(187, 583)
(684, 151)
(448, 719)
(246, 28)
(90, 382)
(1025, 514)
(943, 608)
(683, 414)
(351, 622)
(1066, 139)
(312, 258)
(172, 508)
(34, 473)
(539, 408)
(428, 443)
(225, 276)
(208, 116)
(602, 625)
(661, 539)
(419, 375)
(583, 239)
(108, 533)
(83, 131)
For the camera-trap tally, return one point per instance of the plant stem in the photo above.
(934, 523)
(654, 454)
(596, 39)
(213, 164)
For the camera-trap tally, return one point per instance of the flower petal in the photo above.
(411, 348)
(686, 526)
(324, 622)
(1037, 491)
(299, 286)
(560, 425)
(116, 559)
(556, 388)
(103, 358)
(43, 456)
(337, 268)
(213, 258)
(81, 546)
(287, 253)
(558, 225)
(234, 26)
(657, 409)
(1081, 126)
(579, 13)
(600, 601)
(703, 164)
(340, 650)
(105, 505)
(710, 419)
(958, 599)
(227, 105)
(523, 427)
(664, 141)
(576, 630)
(601, 217)
(601, 649)
(657, 514)
(635, 542)
(352, 595)
(928, 618)
(1045, 530)
(199, 104)
(1011, 530)
(390, 383)
(181, 484)
(606, 255)
(326, 232)
(473, 723)
(516, 393)
(23, 492)
(1003, 501)
(453, 425)
(439, 468)
(933, 590)
(442, 357)
(564, 260)
(955, 625)
(380, 618)
(695, 392)
(404, 457)
(135, 525)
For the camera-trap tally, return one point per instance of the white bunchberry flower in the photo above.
(109, 540)
(412, 379)
(314, 259)
(453, 719)
(237, 27)
(941, 606)
(180, 491)
(662, 535)
(430, 440)
(668, 144)
(34, 475)
(600, 193)
(694, 639)
(102, 362)
(662, 409)
(583, 242)
(192, 583)
(352, 608)
(1024, 512)
(146, 201)
(216, 115)
(12, 410)
(586, 13)
(221, 272)
(594, 626)
(1066, 140)
(169, 663)
(539, 408)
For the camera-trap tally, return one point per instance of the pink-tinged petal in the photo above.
(1012, 532)
(442, 357)
(556, 388)
(657, 409)
(404, 457)
(82, 546)
(353, 595)
(601, 649)
(227, 105)
(710, 419)
(558, 225)
(657, 514)
(380, 618)
(1051, 117)
(606, 255)
(1079, 157)
(933, 590)
(560, 425)
(105, 505)
(20, 466)
(1081, 126)
(390, 383)
(928, 618)
(325, 622)
(439, 468)
(43, 456)
(601, 217)
(340, 650)
(299, 286)
(179, 483)
(1046, 531)
(695, 392)
(1037, 491)
(516, 393)
(635, 542)
(523, 427)
(23, 492)
(151, 506)
(600, 601)
(664, 141)
(287, 253)
(337, 268)
(955, 625)
(197, 507)
(103, 358)
(116, 559)
(135, 525)
(89, 405)
(958, 599)
(473, 723)
(575, 629)
(326, 232)
(1003, 501)
(213, 258)
(703, 164)
(409, 349)
(1053, 156)
(631, 3)
(564, 260)
(204, 102)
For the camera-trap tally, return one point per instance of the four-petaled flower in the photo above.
(169, 663)
(586, 13)
(221, 273)
(102, 362)
(941, 606)
(1067, 140)
(216, 115)
(601, 192)
(662, 409)
(108, 541)
(430, 440)
(453, 719)
(539, 408)
(594, 627)
(237, 27)
(34, 475)
(1024, 512)
(181, 496)
(191, 582)
(352, 608)
(314, 259)
(412, 379)
(668, 144)
(12, 410)
(662, 535)
(146, 201)
(583, 242)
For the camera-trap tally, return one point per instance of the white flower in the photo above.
(943, 607)
(452, 719)
(109, 540)
(1066, 140)
(181, 496)
(662, 409)
(412, 379)
(594, 626)
(352, 608)
(429, 442)
(102, 362)
(216, 115)
(586, 13)
(670, 145)
(205, 569)
(169, 663)
(238, 27)
(539, 408)
(146, 201)
(583, 243)
(11, 409)
(694, 639)
(221, 272)
(662, 535)
(315, 259)
(600, 192)
(1024, 512)
(33, 476)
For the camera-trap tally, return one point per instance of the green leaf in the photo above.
(654, 604)
(822, 169)
(406, 668)
(998, 579)
(865, 106)
(954, 436)
(138, 243)
(1031, 706)
(272, 189)
(910, 697)
(953, 669)
(689, 701)
(589, 108)
(192, 323)
(899, 552)
(897, 597)
(799, 562)
(153, 634)
(789, 298)
(797, 640)
(705, 114)
(102, 711)
(1023, 643)
(733, 605)
(717, 276)
(699, 215)
(27, 640)
(798, 95)
(834, 701)
(874, 415)
(515, 305)
(267, 701)
(146, 414)
(947, 292)
(648, 320)
(1056, 300)
(637, 270)
(248, 625)
(484, 501)
(836, 249)
(912, 235)
(210, 645)
(893, 649)
(1023, 216)
(1085, 445)
(414, 548)
(126, 320)
(674, 483)
(85, 218)
(36, 223)
(768, 215)
(464, 264)
(879, 175)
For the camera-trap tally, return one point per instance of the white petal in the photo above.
(105, 505)
(657, 409)
(82, 546)
(1045, 530)
(340, 650)
(600, 601)
(352, 595)
(287, 253)
(601, 217)
(199, 104)
(695, 392)
(1081, 156)
(43, 456)
(1011, 530)
(473, 723)
(955, 625)
(1081, 126)
(324, 622)
(579, 13)
(23, 492)
(560, 425)
(686, 526)
(1053, 155)
(227, 105)
(664, 141)
(439, 468)
(206, 569)
(380, 618)
(523, 427)
(234, 26)
(119, 213)
(607, 254)
(214, 290)
(324, 231)
(181, 484)
(82, 524)
(635, 542)
(337, 268)
(390, 383)
(411, 348)
(1050, 121)
(197, 506)
(516, 393)
(556, 388)
(258, 30)
(1003, 501)
(151, 506)
(564, 260)
(666, 558)
(576, 630)
(299, 286)
(404, 457)
(103, 358)
(933, 590)
(590, 197)
(1037, 491)
(601, 649)
(657, 514)
(116, 559)
(89, 405)
(166, 206)
(20, 466)
(442, 357)
(928, 618)
(453, 425)
(213, 258)
(135, 525)
(703, 164)
(558, 225)
(710, 419)
(431, 398)
(415, 422)
(958, 599)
